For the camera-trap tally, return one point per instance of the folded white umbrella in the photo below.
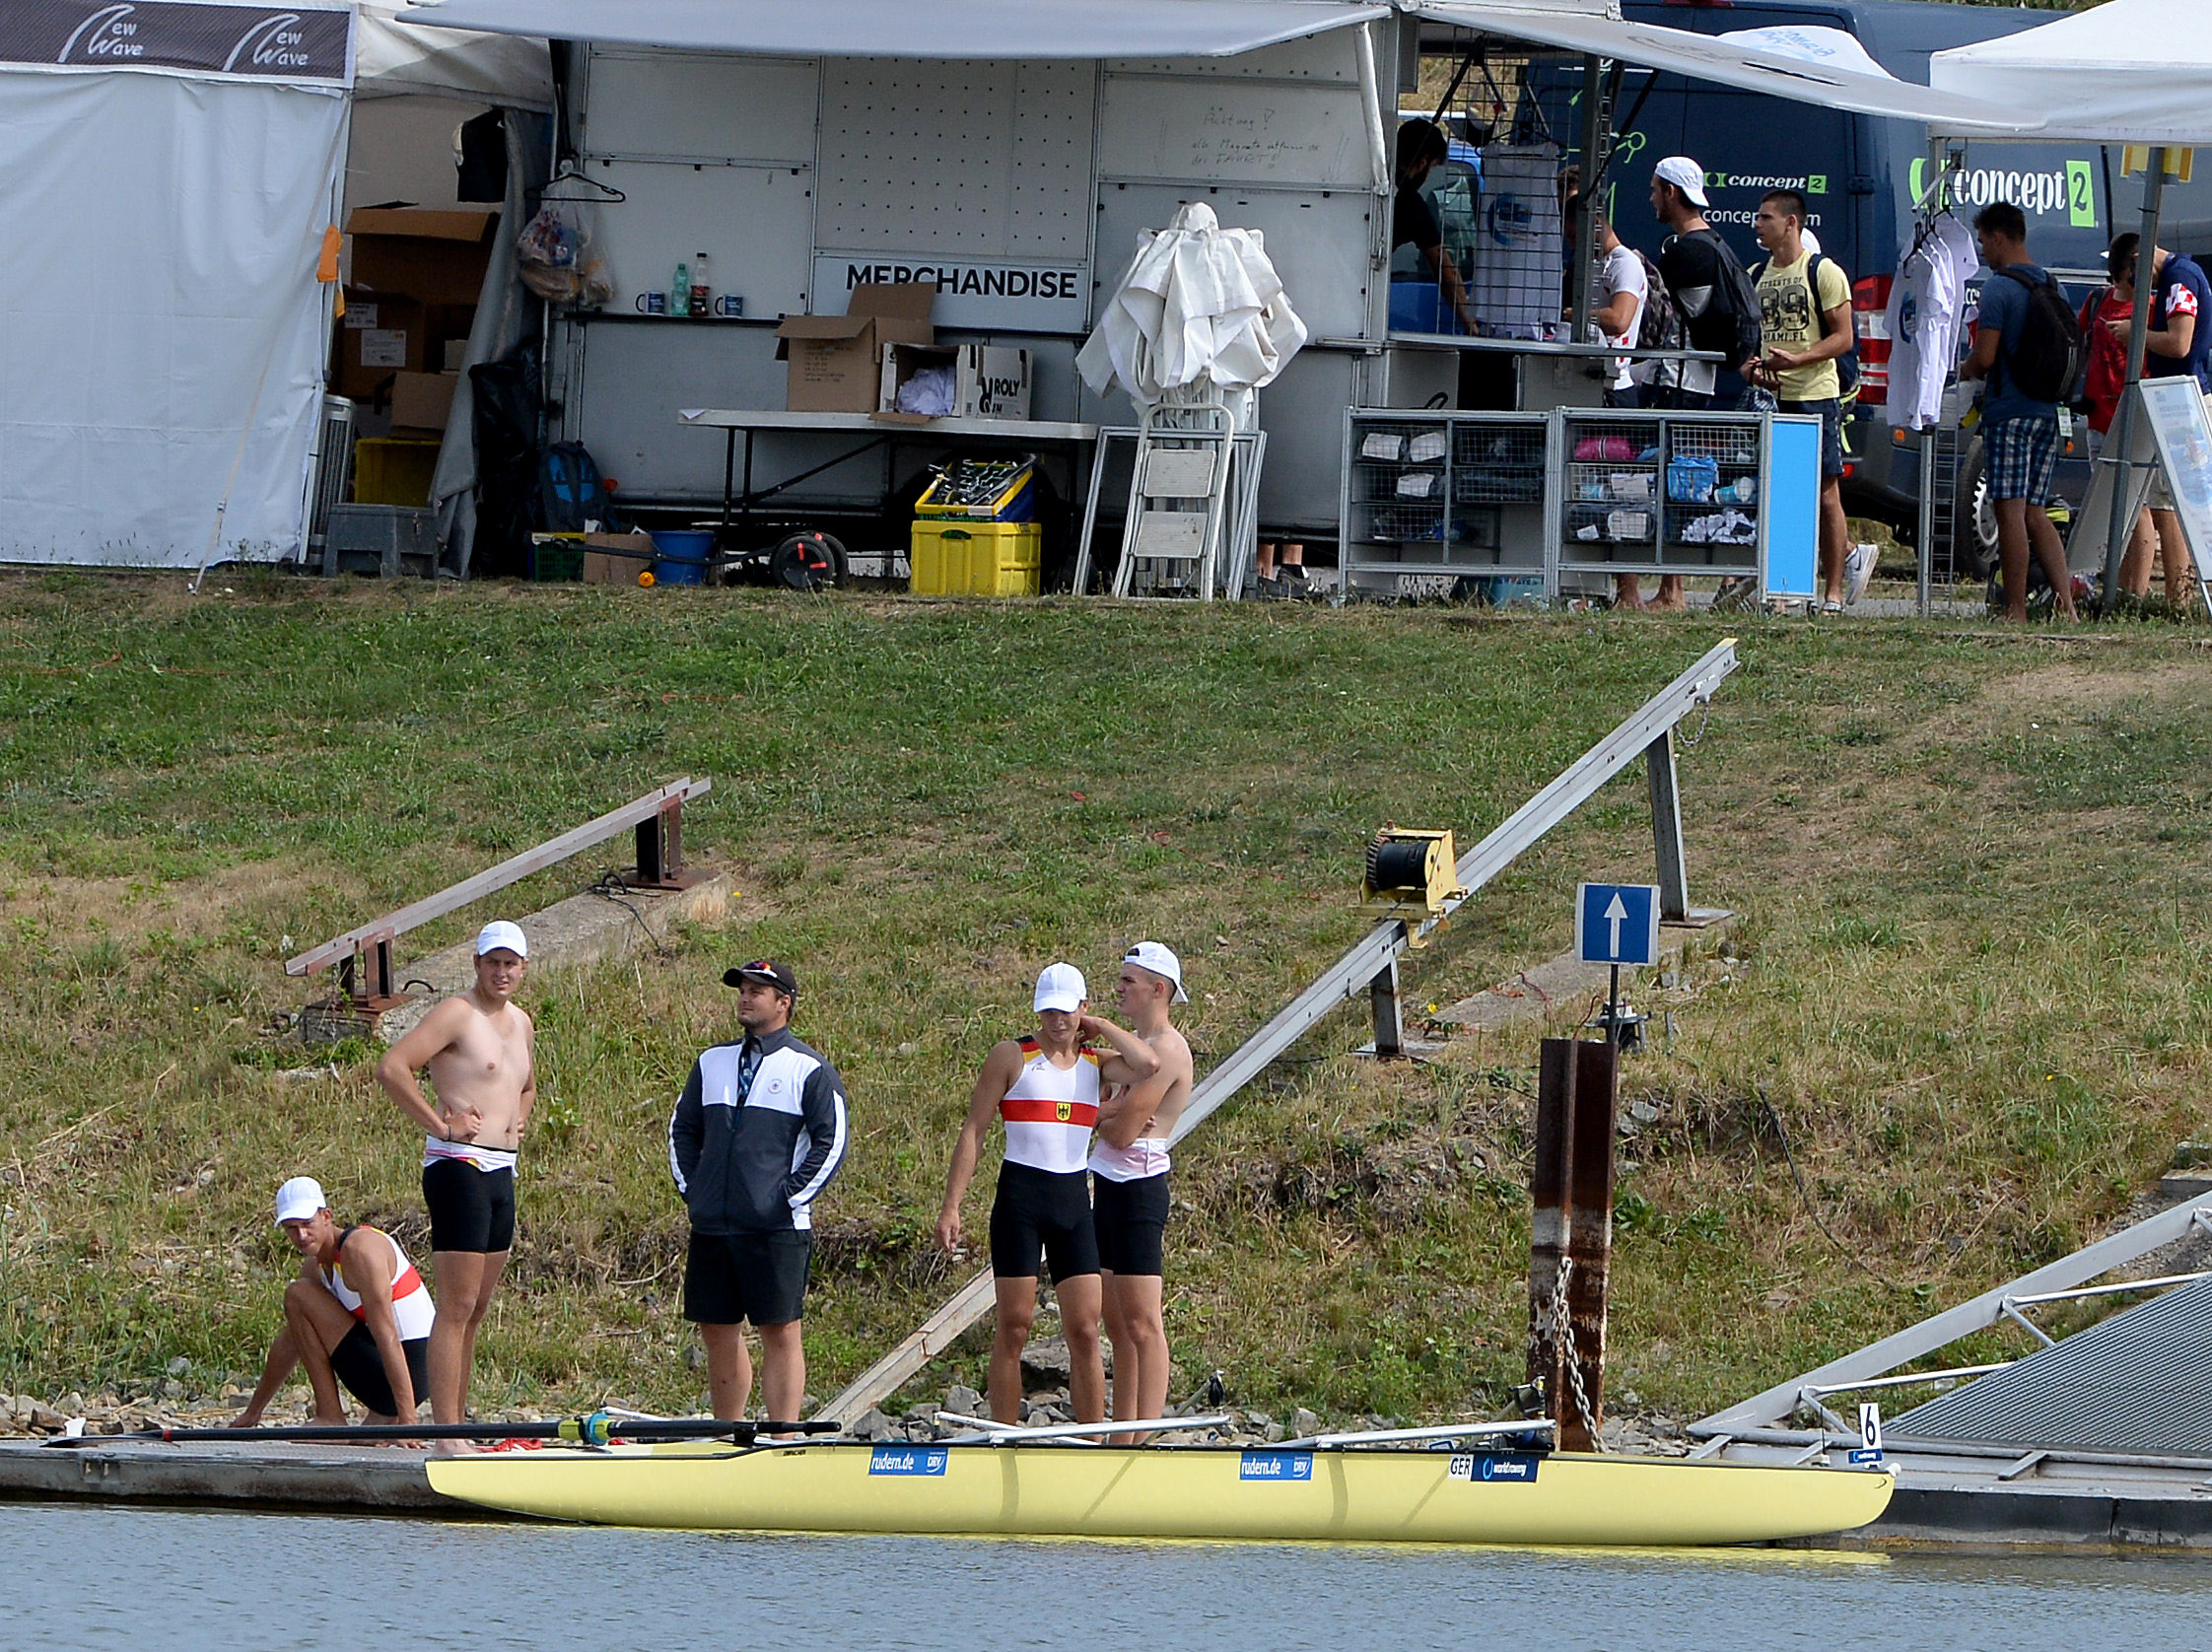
(1200, 306)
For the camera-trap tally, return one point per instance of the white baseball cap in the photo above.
(500, 933)
(1061, 987)
(1151, 956)
(300, 1198)
(1684, 175)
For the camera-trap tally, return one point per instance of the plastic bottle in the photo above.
(701, 300)
(680, 290)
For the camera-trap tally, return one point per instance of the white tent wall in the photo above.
(2129, 71)
(160, 317)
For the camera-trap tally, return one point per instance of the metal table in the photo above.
(739, 494)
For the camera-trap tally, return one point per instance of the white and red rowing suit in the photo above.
(411, 1306)
(1050, 1110)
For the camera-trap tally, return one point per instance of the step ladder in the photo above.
(1178, 500)
(1193, 519)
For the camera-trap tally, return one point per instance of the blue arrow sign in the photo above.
(1616, 923)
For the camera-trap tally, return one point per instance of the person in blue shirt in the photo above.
(2018, 433)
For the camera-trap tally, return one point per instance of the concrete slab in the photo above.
(320, 1478)
(1534, 991)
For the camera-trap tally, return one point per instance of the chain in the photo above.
(1552, 1329)
(1689, 741)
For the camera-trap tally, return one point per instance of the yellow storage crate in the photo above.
(952, 558)
(393, 470)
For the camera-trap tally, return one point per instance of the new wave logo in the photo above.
(109, 35)
(275, 43)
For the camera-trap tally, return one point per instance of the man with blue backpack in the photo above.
(2028, 349)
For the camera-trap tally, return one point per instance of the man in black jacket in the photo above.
(756, 1135)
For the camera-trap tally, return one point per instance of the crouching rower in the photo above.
(358, 1316)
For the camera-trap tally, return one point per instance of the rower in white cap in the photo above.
(1045, 1085)
(478, 1048)
(357, 1317)
(1129, 1185)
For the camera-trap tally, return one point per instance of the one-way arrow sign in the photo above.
(1616, 923)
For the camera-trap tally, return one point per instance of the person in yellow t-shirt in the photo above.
(1802, 333)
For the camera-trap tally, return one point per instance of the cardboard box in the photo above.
(389, 333)
(422, 401)
(436, 257)
(456, 354)
(989, 381)
(380, 335)
(834, 359)
(616, 558)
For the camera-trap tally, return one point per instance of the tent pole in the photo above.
(1583, 203)
(2122, 440)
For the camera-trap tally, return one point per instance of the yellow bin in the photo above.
(393, 470)
(953, 558)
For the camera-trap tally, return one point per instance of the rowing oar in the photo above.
(597, 1429)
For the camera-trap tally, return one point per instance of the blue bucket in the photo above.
(682, 557)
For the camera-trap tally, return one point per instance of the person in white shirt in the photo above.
(1623, 290)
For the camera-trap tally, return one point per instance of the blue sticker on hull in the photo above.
(1275, 1465)
(1485, 1466)
(907, 1460)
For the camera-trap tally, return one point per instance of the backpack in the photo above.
(2052, 356)
(1731, 322)
(1847, 364)
(1659, 327)
(570, 490)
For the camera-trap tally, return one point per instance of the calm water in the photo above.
(157, 1580)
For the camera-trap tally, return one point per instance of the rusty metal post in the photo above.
(1549, 1174)
(1589, 1241)
(660, 850)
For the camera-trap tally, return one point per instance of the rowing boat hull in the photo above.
(1268, 1494)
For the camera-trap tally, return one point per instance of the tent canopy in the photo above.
(391, 62)
(1804, 65)
(916, 28)
(2129, 71)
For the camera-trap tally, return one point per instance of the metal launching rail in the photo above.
(658, 817)
(1371, 966)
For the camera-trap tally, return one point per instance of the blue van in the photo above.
(1859, 175)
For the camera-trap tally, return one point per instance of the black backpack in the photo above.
(570, 490)
(2051, 358)
(1847, 364)
(1730, 323)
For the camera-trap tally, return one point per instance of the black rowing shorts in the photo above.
(729, 1278)
(355, 1363)
(1042, 1213)
(470, 1209)
(1131, 1218)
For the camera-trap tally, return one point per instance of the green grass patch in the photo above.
(1967, 988)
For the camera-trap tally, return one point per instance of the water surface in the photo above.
(178, 1581)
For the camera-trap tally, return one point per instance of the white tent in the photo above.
(173, 169)
(1804, 65)
(2129, 71)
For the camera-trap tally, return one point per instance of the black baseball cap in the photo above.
(767, 972)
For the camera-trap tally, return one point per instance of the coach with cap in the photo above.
(756, 1135)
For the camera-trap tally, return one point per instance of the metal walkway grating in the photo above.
(2140, 1381)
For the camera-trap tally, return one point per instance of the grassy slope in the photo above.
(1973, 871)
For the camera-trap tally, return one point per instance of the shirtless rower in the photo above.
(357, 1316)
(1045, 1086)
(477, 1046)
(1129, 1181)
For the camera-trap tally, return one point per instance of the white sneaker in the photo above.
(1858, 572)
